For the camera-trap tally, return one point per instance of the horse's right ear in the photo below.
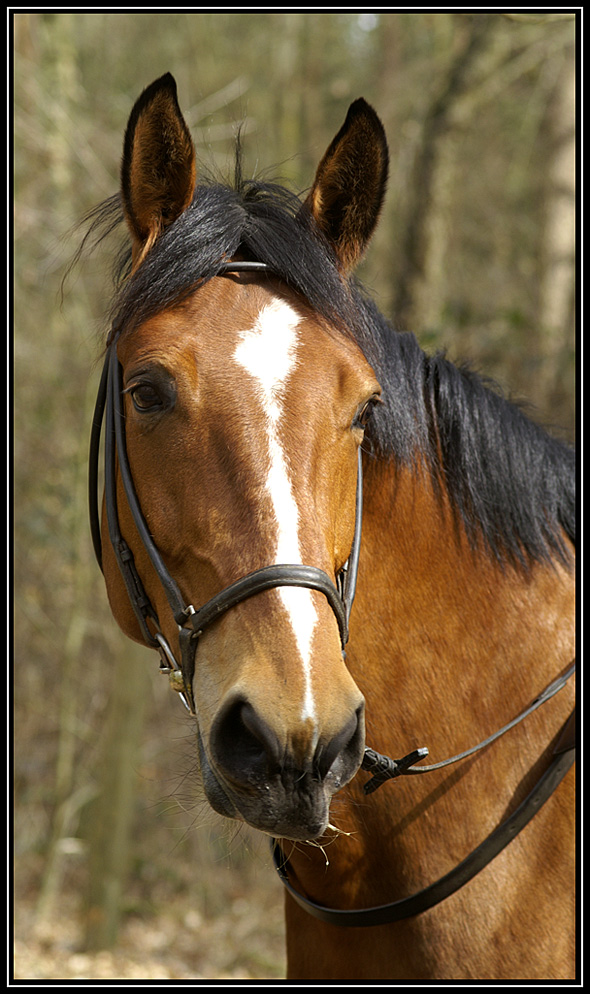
(158, 171)
(350, 182)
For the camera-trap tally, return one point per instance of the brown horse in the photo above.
(245, 373)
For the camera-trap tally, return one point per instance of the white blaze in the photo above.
(268, 353)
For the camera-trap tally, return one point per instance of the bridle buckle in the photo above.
(171, 669)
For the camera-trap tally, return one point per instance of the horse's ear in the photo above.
(158, 168)
(349, 186)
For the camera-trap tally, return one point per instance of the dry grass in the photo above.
(230, 928)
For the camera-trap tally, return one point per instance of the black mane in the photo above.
(509, 481)
(260, 221)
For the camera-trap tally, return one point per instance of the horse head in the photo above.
(244, 409)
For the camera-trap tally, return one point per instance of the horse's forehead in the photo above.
(255, 328)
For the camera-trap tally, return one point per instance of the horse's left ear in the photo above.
(349, 186)
(158, 168)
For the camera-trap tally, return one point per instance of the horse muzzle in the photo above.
(250, 772)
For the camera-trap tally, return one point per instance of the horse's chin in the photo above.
(215, 793)
(286, 807)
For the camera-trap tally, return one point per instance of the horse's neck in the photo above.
(451, 632)
(447, 648)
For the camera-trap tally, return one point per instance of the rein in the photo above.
(192, 622)
(388, 769)
(415, 904)
(385, 768)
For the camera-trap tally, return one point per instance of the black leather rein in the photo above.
(386, 914)
(427, 898)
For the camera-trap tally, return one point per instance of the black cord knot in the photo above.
(383, 768)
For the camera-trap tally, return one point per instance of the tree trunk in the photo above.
(556, 318)
(423, 239)
(111, 814)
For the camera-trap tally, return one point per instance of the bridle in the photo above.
(192, 622)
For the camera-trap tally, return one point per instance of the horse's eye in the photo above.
(146, 398)
(364, 414)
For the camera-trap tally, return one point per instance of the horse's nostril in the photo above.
(259, 732)
(242, 743)
(247, 750)
(343, 746)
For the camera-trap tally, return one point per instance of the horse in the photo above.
(258, 413)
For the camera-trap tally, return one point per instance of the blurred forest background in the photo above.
(120, 869)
